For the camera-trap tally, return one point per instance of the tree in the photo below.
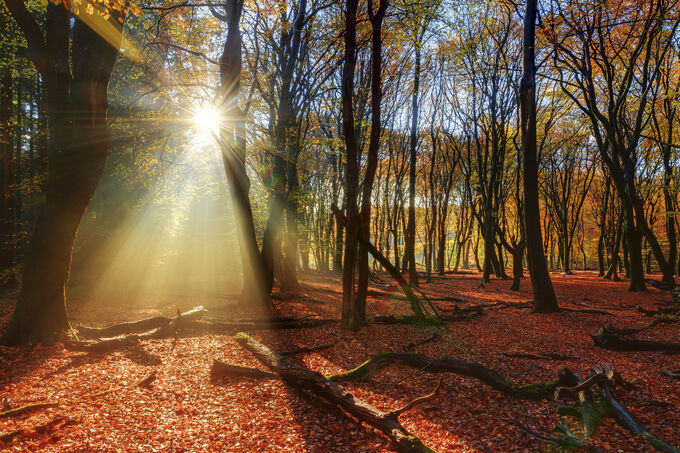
(610, 68)
(75, 58)
(544, 294)
(350, 317)
(376, 18)
(232, 140)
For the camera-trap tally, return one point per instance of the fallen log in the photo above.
(540, 356)
(459, 315)
(587, 310)
(675, 374)
(626, 420)
(104, 345)
(469, 369)
(221, 369)
(659, 311)
(384, 262)
(317, 384)
(143, 325)
(305, 349)
(608, 338)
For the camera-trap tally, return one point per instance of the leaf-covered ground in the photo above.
(185, 410)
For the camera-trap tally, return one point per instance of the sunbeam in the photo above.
(207, 119)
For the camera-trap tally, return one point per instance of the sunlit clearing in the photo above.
(207, 118)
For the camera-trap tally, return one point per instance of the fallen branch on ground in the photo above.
(469, 369)
(540, 356)
(672, 373)
(58, 422)
(221, 369)
(568, 441)
(143, 325)
(608, 338)
(27, 408)
(306, 349)
(430, 336)
(317, 384)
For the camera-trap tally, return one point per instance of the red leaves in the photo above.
(182, 410)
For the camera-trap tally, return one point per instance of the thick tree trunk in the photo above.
(544, 294)
(337, 251)
(271, 240)
(78, 145)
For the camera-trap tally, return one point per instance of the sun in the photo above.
(207, 118)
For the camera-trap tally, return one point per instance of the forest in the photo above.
(339, 225)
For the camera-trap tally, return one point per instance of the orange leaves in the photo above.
(183, 410)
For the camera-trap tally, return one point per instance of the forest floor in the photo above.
(185, 409)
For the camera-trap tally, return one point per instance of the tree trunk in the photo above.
(350, 315)
(411, 228)
(517, 269)
(232, 142)
(544, 294)
(78, 146)
(7, 165)
(371, 157)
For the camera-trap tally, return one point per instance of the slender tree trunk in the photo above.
(349, 315)
(371, 157)
(411, 228)
(7, 165)
(517, 269)
(232, 142)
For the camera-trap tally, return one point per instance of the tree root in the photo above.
(316, 384)
(469, 369)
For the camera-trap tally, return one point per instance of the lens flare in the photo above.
(207, 118)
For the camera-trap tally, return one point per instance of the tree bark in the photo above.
(351, 316)
(232, 142)
(7, 157)
(410, 251)
(79, 140)
(544, 294)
